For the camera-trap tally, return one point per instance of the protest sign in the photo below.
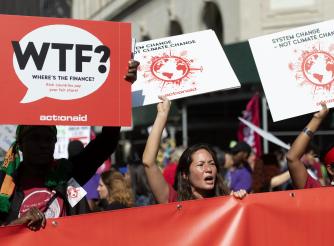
(296, 68)
(7, 136)
(181, 66)
(65, 134)
(64, 71)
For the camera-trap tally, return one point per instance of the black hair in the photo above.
(182, 185)
(241, 147)
(74, 147)
(139, 182)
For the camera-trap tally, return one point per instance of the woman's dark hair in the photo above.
(182, 185)
(139, 182)
(265, 169)
(74, 147)
(312, 147)
(270, 160)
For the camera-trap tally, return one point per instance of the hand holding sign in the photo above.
(322, 113)
(131, 76)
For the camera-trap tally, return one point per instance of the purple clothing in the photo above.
(91, 187)
(239, 178)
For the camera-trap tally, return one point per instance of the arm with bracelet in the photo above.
(296, 167)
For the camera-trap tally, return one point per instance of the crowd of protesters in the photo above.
(36, 188)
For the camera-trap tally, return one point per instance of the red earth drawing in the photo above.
(318, 68)
(314, 68)
(170, 68)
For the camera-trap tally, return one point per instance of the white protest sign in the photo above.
(266, 135)
(65, 134)
(74, 192)
(181, 66)
(296, 68)
(53, 73)
(7, 136)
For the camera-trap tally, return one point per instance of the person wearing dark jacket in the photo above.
(39, 187)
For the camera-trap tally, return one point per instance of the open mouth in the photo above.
(209, 180)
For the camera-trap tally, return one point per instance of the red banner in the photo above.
(300, 217)
(251, 114)
(64, 71)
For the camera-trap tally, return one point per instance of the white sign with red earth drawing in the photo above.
(296, 68)
(181, 66)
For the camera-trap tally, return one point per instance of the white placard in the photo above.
(296, 68)
(181, 66)
(7, 136)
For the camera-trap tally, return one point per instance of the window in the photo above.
(213, 19)
(175, 28)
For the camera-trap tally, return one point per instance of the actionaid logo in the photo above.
(82, 118)
(61, 62)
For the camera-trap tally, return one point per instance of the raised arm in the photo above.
(297, 169)
(155, 178)
(279, 179)
(94, 154)
(98, 150)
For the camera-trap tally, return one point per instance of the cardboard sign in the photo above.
(64, 71)
(181, 66)
(296, 68)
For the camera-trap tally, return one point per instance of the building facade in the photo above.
(234, 21)
(49, 8)
(240, 19)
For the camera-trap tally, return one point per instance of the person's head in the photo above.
(310, 155)
(37, 143)
(270, 160)
(329, 162)
(225, 161)
(197, 174)
(74, 147)
(137, 180)
(113, 188)
(281, 157)
(241, 152)
(228, 163)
